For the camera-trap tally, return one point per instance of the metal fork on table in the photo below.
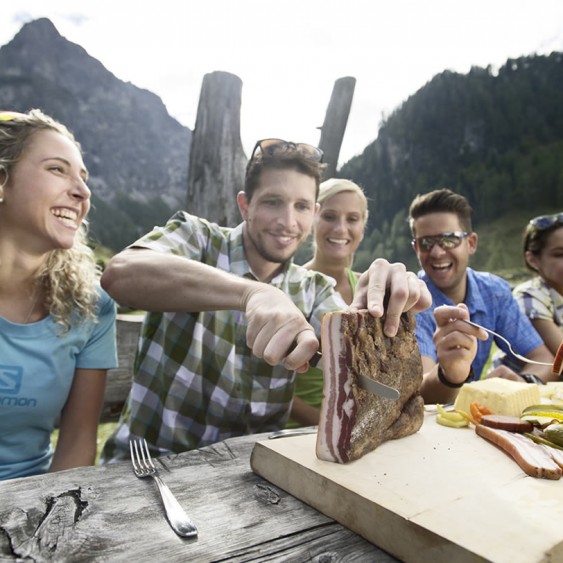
(143, 466)
(521, 358)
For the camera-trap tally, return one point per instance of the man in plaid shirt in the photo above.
(230, 317)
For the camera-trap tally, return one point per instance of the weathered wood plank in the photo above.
(118, 381)
(105, 514)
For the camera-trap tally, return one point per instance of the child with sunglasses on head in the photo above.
(541, 298)
(57, 326)
(231, 317)
(454, 352)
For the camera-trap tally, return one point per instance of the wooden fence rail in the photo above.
(118, 384)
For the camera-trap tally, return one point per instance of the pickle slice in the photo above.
(554, 433)
(552, 412)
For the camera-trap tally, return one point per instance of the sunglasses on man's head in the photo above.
(546, 221)
(271, 147)
(447, 241)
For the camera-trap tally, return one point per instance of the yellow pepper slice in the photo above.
(449, 415)
(451, 423)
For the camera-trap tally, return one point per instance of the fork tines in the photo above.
(140, 456)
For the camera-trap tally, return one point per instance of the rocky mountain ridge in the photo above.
(136, 153)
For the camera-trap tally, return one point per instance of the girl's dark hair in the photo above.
(535, 239)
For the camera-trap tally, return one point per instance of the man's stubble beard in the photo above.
(267, 256)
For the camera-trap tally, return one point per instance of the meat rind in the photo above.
(353, 421)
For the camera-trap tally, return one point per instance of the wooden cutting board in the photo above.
(442, 494)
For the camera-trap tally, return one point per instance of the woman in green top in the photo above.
(338, 230)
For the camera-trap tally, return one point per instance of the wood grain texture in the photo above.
(335, 122)
(441, 494)
(119, 379)
(217, 160)
(105, 514)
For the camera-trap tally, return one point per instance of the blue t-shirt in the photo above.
(491, 304)
(37, 365)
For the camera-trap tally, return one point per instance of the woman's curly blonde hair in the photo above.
(69, 276)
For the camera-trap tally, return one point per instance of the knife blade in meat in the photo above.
(366, 383)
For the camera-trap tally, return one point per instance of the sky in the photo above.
(289, 54)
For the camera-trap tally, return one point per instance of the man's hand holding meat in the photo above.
(405, 291)
(275, 324)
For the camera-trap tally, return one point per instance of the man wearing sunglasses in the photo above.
(231, 318)
(455, 352)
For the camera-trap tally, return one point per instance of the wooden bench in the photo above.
(128, 328)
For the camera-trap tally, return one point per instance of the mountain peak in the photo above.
(41, 29)
(132, 147)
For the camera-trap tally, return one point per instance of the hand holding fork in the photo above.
(143, 466)
(521, 358)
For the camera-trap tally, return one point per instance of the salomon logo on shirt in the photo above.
(10, 380)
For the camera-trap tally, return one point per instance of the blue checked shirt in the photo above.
(491, 304)
(196, 381)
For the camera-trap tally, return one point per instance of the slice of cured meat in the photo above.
(556, 455)
(354, 421)
(531, 457)
(503, 422)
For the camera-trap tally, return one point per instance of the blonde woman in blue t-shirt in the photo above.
(338, 231)
(57, 329)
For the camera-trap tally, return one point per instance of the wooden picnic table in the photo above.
(104, 513)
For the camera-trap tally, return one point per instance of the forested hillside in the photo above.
(497, 138)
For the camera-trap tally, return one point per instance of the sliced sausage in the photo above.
(509, 423)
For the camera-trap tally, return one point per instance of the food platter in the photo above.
(442, 494)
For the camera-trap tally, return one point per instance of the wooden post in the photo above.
(118, 384)
(336, 119)
(217, 159)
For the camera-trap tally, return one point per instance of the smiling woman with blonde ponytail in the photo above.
(57, 326)
(338, 230)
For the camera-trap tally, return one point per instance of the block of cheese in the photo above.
(552, 391)
(502, 396)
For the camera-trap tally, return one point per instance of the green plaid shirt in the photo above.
(196, 381)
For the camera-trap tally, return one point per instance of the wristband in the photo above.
(531, 378)
(444, 381)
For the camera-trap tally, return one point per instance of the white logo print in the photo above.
(10, 379)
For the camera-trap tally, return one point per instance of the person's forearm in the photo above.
(550, 333)
(78, 429)
(151, 281)
(432, 389)
(303, 413)
(541, 354)
(81, 455)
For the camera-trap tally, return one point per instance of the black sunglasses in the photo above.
(546, 221)
(272, 147)
(447, 241)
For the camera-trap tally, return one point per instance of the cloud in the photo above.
(288, 55)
